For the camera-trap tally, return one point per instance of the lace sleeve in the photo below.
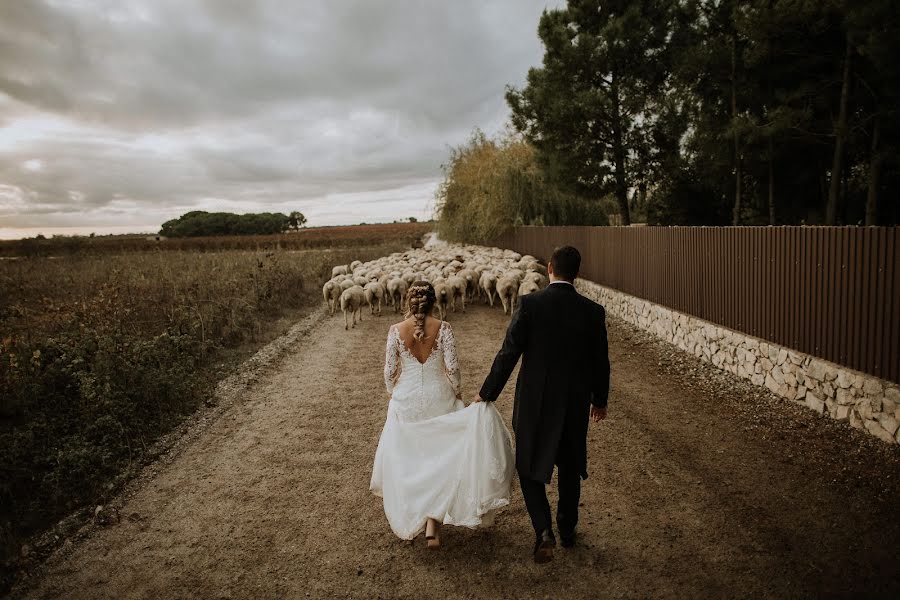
(391, 360)
(451, 361)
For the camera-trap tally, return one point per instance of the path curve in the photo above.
(700, 485)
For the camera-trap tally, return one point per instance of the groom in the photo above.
(564, 381)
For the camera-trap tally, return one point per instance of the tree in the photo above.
(201, 223)
(491, 184)
(602, 63)
(296, 220)
(720, 111)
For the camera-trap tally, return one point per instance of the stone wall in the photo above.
(865, 401)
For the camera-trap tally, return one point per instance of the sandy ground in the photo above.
(700, 486)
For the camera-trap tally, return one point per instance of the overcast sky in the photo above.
(117, 115)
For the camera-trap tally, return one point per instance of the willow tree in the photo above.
(491, 184)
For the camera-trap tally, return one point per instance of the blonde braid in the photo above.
(419, 300)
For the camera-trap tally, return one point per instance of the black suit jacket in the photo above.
(561, 336)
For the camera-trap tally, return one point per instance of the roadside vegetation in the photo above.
(100, 354)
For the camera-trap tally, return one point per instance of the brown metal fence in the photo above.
(832, 292)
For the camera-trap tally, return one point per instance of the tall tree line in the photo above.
(721, 111)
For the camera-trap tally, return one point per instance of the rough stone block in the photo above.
(875, 402)
(893, 394)
(782, 356)
(878, 431)
(815, 403)
(773, 385)
(790, 380)
(844, 397)
(841, 413)
(873, 387)
(864, 408)
(777, 375)
(800, 393)
(766, 364)
(844, 379)
(887, 422)
(816, 370)
(888, 406)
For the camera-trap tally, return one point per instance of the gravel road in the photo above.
(700, 486)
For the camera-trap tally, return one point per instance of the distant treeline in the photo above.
(199, 223)
(304, 239)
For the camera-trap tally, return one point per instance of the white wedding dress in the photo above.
(437, 458)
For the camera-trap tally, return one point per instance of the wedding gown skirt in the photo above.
(437, 458)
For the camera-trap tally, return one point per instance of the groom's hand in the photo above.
(477, 399)
(597, 414)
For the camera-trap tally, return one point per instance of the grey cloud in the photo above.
(172, 103)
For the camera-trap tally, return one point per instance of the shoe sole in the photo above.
(544, 553)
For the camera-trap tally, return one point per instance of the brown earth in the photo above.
(701, 486)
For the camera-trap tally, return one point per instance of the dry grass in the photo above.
(101, 353)
(350, 236)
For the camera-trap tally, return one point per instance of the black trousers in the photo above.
(568, 480)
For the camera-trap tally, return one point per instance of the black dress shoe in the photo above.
(567, 539)
(543, 547)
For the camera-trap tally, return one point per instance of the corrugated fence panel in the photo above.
(832, 292)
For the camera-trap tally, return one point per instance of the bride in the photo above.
(437, 461)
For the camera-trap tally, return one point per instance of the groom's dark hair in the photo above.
(566, 261)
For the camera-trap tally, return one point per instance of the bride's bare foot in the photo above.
(432, 534)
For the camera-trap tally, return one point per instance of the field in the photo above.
(102, 351)
(311, 237)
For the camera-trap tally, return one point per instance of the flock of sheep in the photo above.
(459, 274)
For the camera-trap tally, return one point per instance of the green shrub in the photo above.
(81, 407)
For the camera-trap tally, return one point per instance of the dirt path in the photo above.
(701, 486)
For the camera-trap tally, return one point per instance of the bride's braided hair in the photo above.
(420, 300)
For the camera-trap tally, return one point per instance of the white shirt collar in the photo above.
(561, 281)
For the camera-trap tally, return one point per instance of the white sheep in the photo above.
(442, 297)
(507, 289)
(340, 270)
(456, 285)
(488, 285)
(331, 291)
(528, 287)
(471, 279)
(352, 300)
(375, 294)
(396, 289)
(536, 278)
